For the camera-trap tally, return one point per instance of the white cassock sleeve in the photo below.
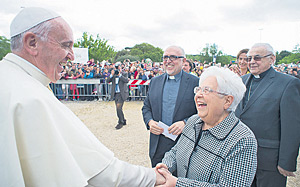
(43, 143)
(123, 174)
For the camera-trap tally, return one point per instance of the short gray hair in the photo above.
(228, 82)
(42, 30)
(267, 46)
(177, 47)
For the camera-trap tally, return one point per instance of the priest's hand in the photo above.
(154, 128)
(176, 128)
(285, 172)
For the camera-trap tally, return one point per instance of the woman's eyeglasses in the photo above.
(206, 90)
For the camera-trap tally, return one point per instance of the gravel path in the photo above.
(131, 142)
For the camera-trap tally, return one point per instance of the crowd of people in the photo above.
(147, 70)
(141, 70)
(234, 126)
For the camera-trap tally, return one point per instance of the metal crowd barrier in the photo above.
(95, 89)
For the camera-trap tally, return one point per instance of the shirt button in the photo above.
(185, 167)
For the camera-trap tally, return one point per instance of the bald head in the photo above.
(173, 59)
(178, 49)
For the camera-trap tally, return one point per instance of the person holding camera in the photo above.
(119, 92)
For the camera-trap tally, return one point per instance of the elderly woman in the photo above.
(215, 148)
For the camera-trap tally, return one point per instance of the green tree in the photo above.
(202, 57)
(123, 52)
(205, 50)
(222, 58)
(4, 46)
(98, 48)
(281, 55)
(225, 59)
(125, 57)
(208, 52)
(296, 49)
(213, 49)
(292, 58)
(287, 57)
(144, 51)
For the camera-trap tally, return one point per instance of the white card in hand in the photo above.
(166, 132)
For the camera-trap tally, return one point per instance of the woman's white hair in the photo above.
(42, 30)
(228, 83)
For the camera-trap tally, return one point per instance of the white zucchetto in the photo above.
(29, 18)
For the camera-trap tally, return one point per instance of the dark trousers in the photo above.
(119, 106)
(265, 178)
(164, 145)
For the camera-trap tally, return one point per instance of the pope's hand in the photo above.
(161, 165)
(170, 179)
(159, 178)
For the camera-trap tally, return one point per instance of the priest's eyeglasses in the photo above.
(206, 90)
(171, 57)
(257, 57)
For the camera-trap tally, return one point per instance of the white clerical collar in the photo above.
(29, 68)
(25, 61)
(175, 77)
(256, 76)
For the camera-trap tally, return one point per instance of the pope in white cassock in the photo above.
(42, 143)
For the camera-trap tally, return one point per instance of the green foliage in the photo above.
(98, 48)
(205, 50)
(292, 58)
(4, 46)
(121, 53)
(225, 59)
(125, 57)
(213, 50)
(144, 51)
(200, 57)
(208, 52)
(287, 57)
(281, 55)
(296, 49)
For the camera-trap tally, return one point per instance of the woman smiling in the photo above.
(216, 148)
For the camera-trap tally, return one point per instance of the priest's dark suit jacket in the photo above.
(184, 106)
(273, 114)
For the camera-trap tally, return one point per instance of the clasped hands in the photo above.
(175, 129)
(164, 177)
